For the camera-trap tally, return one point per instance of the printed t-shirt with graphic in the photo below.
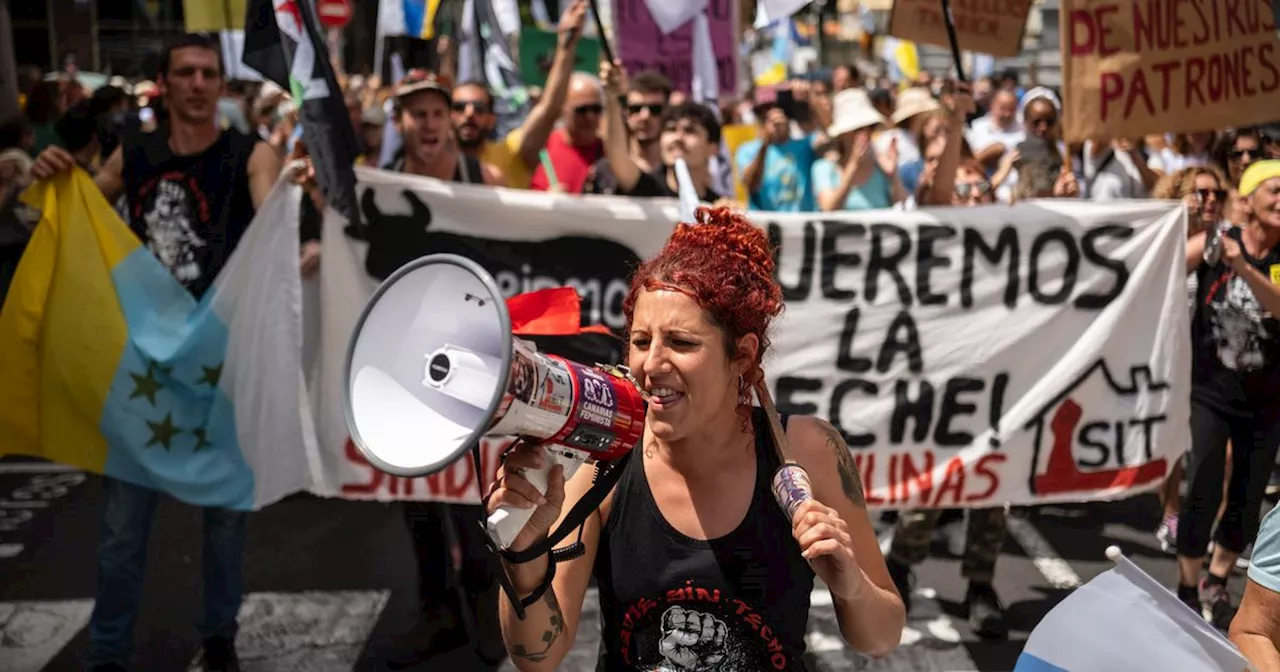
(504, 154)
(784, 187)
(670, 602)
(571, 164)
(1235, 355)
(191, 211)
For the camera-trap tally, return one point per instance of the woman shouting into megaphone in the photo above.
(698, 568)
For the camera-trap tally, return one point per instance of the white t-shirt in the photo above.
(908, 152)
(1119, 177)
(983, 132)
(1169, 161)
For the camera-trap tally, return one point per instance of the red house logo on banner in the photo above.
(1100, 434)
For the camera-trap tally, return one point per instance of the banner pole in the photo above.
(604, 39)
(951, 37)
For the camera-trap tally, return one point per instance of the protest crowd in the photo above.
(836, 140)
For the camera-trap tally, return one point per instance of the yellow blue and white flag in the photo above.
(108, 364)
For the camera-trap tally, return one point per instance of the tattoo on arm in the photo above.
(555, 626)
(850, 477)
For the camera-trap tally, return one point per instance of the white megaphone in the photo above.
(433, 367)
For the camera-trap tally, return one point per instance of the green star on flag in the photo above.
(212, 374)
(202, 438)
(162, 432)
(146, 385)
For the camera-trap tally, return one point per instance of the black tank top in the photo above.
(737, 603)
(190, 211)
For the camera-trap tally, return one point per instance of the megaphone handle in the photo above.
(505, 523)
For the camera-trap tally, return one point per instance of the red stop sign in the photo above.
(334, 13)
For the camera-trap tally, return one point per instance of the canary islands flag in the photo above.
(110, 365)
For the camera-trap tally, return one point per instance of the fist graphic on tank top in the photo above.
(691, 640)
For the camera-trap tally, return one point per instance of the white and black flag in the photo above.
(283, 42)
(484, 56)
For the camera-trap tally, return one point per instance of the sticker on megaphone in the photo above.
(791, 488)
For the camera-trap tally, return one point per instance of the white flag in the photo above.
(768, 11)
(671, 15)
(1125, 620)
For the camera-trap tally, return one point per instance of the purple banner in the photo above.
(640, 44)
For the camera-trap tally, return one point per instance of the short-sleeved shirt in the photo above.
(504, 154)
(1264, 566)
(876, 193)
(655, 185)
(785, 186)
(571, 164)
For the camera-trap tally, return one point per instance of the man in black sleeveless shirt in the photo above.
(423, 107)
(192, 191)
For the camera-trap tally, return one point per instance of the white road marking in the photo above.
(32, 633)
(34, 468)
(10, 551)
(1055, 570)
(314, 630)
(930, 642)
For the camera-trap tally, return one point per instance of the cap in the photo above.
(423, 80)
(1258, 173)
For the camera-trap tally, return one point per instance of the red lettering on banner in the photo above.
(376, 477)
(1095, 30)
(921, 480)
(952, 480)
(981, 468)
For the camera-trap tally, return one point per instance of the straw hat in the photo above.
(852, 111)
(913, 101)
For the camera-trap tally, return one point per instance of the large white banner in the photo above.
(971, 357)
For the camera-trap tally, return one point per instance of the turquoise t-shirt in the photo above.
(876, 193)
(785, 184)
(1264, 566)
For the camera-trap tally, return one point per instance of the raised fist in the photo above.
(692, 640)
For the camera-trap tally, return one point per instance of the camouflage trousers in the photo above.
(983, 539)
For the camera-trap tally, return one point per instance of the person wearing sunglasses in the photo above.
(1240, 148)
(647, 96)
(576, 145)
(689, 131)
(516, 154)
(1235, 373)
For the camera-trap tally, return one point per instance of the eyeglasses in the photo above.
(654, 109)
(1219, 195)
(1238, 154)
(972, 190)
(479, 106)
(592, 108)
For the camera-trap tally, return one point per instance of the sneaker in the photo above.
(220, 655)
(1245, 558)
(903, 578)
(1191, 598)
(1167, 535)
(1216, 606)
(986, 613)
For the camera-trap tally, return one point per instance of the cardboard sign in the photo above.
(1164, 66)
(985, 26)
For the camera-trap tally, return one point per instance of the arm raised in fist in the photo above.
(692, 640)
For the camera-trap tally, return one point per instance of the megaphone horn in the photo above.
(433, 367)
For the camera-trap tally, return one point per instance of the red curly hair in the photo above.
(726, 265)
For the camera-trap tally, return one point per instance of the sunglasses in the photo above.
(584, 110)
(654, 109)
(975, 190)
(479, 106)
(1219, 195)
(1238, 154)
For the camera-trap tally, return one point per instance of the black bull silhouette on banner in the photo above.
(602, 266)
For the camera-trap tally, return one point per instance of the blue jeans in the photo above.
(122, 559)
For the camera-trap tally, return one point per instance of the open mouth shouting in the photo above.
(664, 398)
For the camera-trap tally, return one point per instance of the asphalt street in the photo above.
(331, 582)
